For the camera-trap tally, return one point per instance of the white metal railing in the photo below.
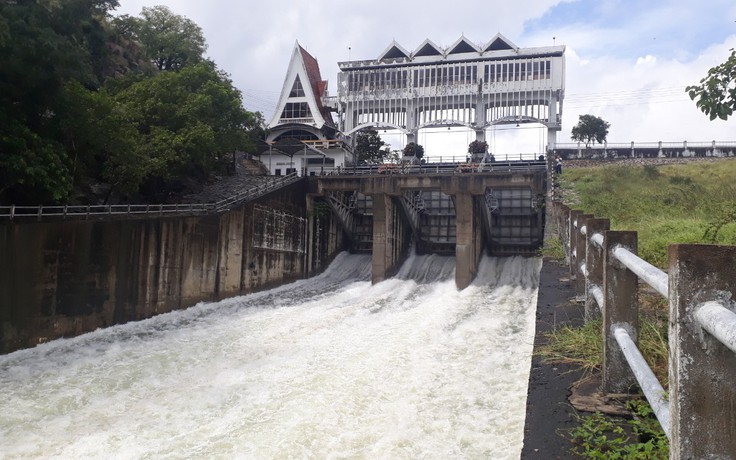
(596, 246)
(719, 321)
(650, 386)
(646, 145)
(652, 275)
(74, 211)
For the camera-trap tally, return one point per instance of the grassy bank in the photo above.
(683, 203)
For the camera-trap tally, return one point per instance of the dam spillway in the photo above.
(458, 209)
(333, 365)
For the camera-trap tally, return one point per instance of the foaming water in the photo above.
(329, 367)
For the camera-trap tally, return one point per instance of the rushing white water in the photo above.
(330, 367)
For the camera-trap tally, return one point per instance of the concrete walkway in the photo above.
(548, 412)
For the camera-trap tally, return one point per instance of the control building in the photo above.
(461, 85)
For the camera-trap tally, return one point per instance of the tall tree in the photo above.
(171, 41)
(368, 145)
(590, 129)
(189, 121)
(44, 44)
(716, 93)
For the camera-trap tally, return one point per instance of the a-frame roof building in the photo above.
(301, 95)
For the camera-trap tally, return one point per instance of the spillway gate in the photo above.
(497, 208)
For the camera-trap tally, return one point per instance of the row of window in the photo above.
(450, 75)
(518, 71)
(296, 110)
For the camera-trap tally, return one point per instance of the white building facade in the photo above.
(461, 85)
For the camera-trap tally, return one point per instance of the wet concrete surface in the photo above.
(549, 414)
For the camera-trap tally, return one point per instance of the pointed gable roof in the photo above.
(462, 45)
(498, 43)
(306, 68)
(394, 51)
(428, 48)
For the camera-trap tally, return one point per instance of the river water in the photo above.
(330, 367)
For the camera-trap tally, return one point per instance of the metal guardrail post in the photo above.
(594, 266)
(620, 309)
(702, 370)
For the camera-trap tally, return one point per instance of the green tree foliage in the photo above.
(413, 149)
(44, 45)
(188, 122)
(171, 41)
(369, 147)
(716, 93)
(590, 129)
(81, 109)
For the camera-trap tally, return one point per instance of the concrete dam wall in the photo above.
(65, 278)
(71, 275)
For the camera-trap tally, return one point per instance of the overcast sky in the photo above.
(627, 61)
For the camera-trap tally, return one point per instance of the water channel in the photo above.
(329, 367)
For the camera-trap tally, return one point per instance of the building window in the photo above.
(296, 110)
(277, 172)
(298, 134)
(297, 90)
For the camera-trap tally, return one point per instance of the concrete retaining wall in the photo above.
(65, 278)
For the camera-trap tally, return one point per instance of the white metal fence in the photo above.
(697, 414)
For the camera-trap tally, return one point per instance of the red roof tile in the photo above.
(315, 80)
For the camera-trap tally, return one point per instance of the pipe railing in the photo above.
(460, 167)
(696, 414)
(76, 211)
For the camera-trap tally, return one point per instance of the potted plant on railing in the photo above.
(478, 150)
(413, 153)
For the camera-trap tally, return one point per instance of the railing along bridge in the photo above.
(128, 210)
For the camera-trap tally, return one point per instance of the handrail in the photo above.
(14, 212)
(719, 321)
(648, 382)
(635, 145)
(653, 276)
(699, 330)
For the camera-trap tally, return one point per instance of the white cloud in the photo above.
(630, 69)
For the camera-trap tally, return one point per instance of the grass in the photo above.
(684, 203)
(553, 249)
(583, 346)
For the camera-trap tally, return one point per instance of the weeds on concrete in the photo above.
(583, 346)
(601, 437)
(553, 249)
